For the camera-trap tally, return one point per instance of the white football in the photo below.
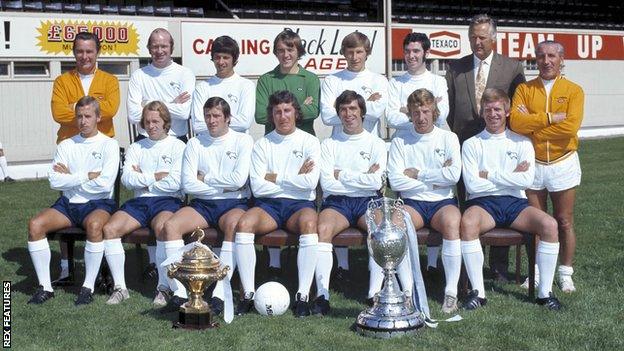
(271, 299)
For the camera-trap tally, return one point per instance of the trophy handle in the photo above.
(171, 270)
(199, 233)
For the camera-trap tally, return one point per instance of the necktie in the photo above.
(479, 86)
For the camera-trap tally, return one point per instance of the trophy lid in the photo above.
(199, 256)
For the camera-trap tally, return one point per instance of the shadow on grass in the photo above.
(503, 290)
(28, 282)
(342, 313)
(160, 314)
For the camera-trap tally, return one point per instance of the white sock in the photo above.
(116, 259)
(151, 253)
(4, 167)
(245, 255)
(565, 270)
(432, 256)
(64, 268)
(171, 247)
(537, 272)
(93, 253)
(546, 260)
(324, 264)
(473, 259)
(40, 255)
(274, 257)
(161, 256)
(376, 277)
(451, 259)
(306, 262)
(227, 259)
(342, 256)
(404, 270)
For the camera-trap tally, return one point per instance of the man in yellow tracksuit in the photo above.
(549, 110)
(84, 80)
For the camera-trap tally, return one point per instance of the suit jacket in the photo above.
(505, 74)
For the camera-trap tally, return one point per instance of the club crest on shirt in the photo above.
(231, 155)
(561, 99)
(166, 159)
(512, 155)
(175, 85)
(365, 155)
(232, 98)
(440, 152)
(298, 154)
(367, 90)
(96, 155)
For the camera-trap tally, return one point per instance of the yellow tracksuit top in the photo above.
(68, 90)
(555, 141)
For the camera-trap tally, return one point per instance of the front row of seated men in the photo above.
(284, 168)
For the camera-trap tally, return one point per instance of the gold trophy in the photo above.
(199, 268)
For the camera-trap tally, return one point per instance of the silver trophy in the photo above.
(393, 313)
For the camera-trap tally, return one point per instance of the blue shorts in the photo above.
(144, 209)
(212, 210)
(282, 209)
(352, 208)
(428, 209)
(503, 209)
(76, 213)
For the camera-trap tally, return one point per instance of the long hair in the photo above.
(162, 110)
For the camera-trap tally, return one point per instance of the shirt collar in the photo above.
(488, 60)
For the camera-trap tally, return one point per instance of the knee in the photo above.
(158, 229)
(109, 231)
(94, 230)
(167, 231)
(325, 232)
(308, 226)
(565, 222)
(549, 228)
(450, 229)
(469, 228)
(230, 226)
(246, 225)
(36, 230)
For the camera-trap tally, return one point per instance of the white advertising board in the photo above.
(322, 44)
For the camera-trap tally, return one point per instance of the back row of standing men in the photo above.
(467, 79)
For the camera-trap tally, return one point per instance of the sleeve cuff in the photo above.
(150, 179)
(279, 179)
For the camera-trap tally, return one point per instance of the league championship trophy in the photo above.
(199, 268)
(393, 313)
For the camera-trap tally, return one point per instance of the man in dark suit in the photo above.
(467, 78)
